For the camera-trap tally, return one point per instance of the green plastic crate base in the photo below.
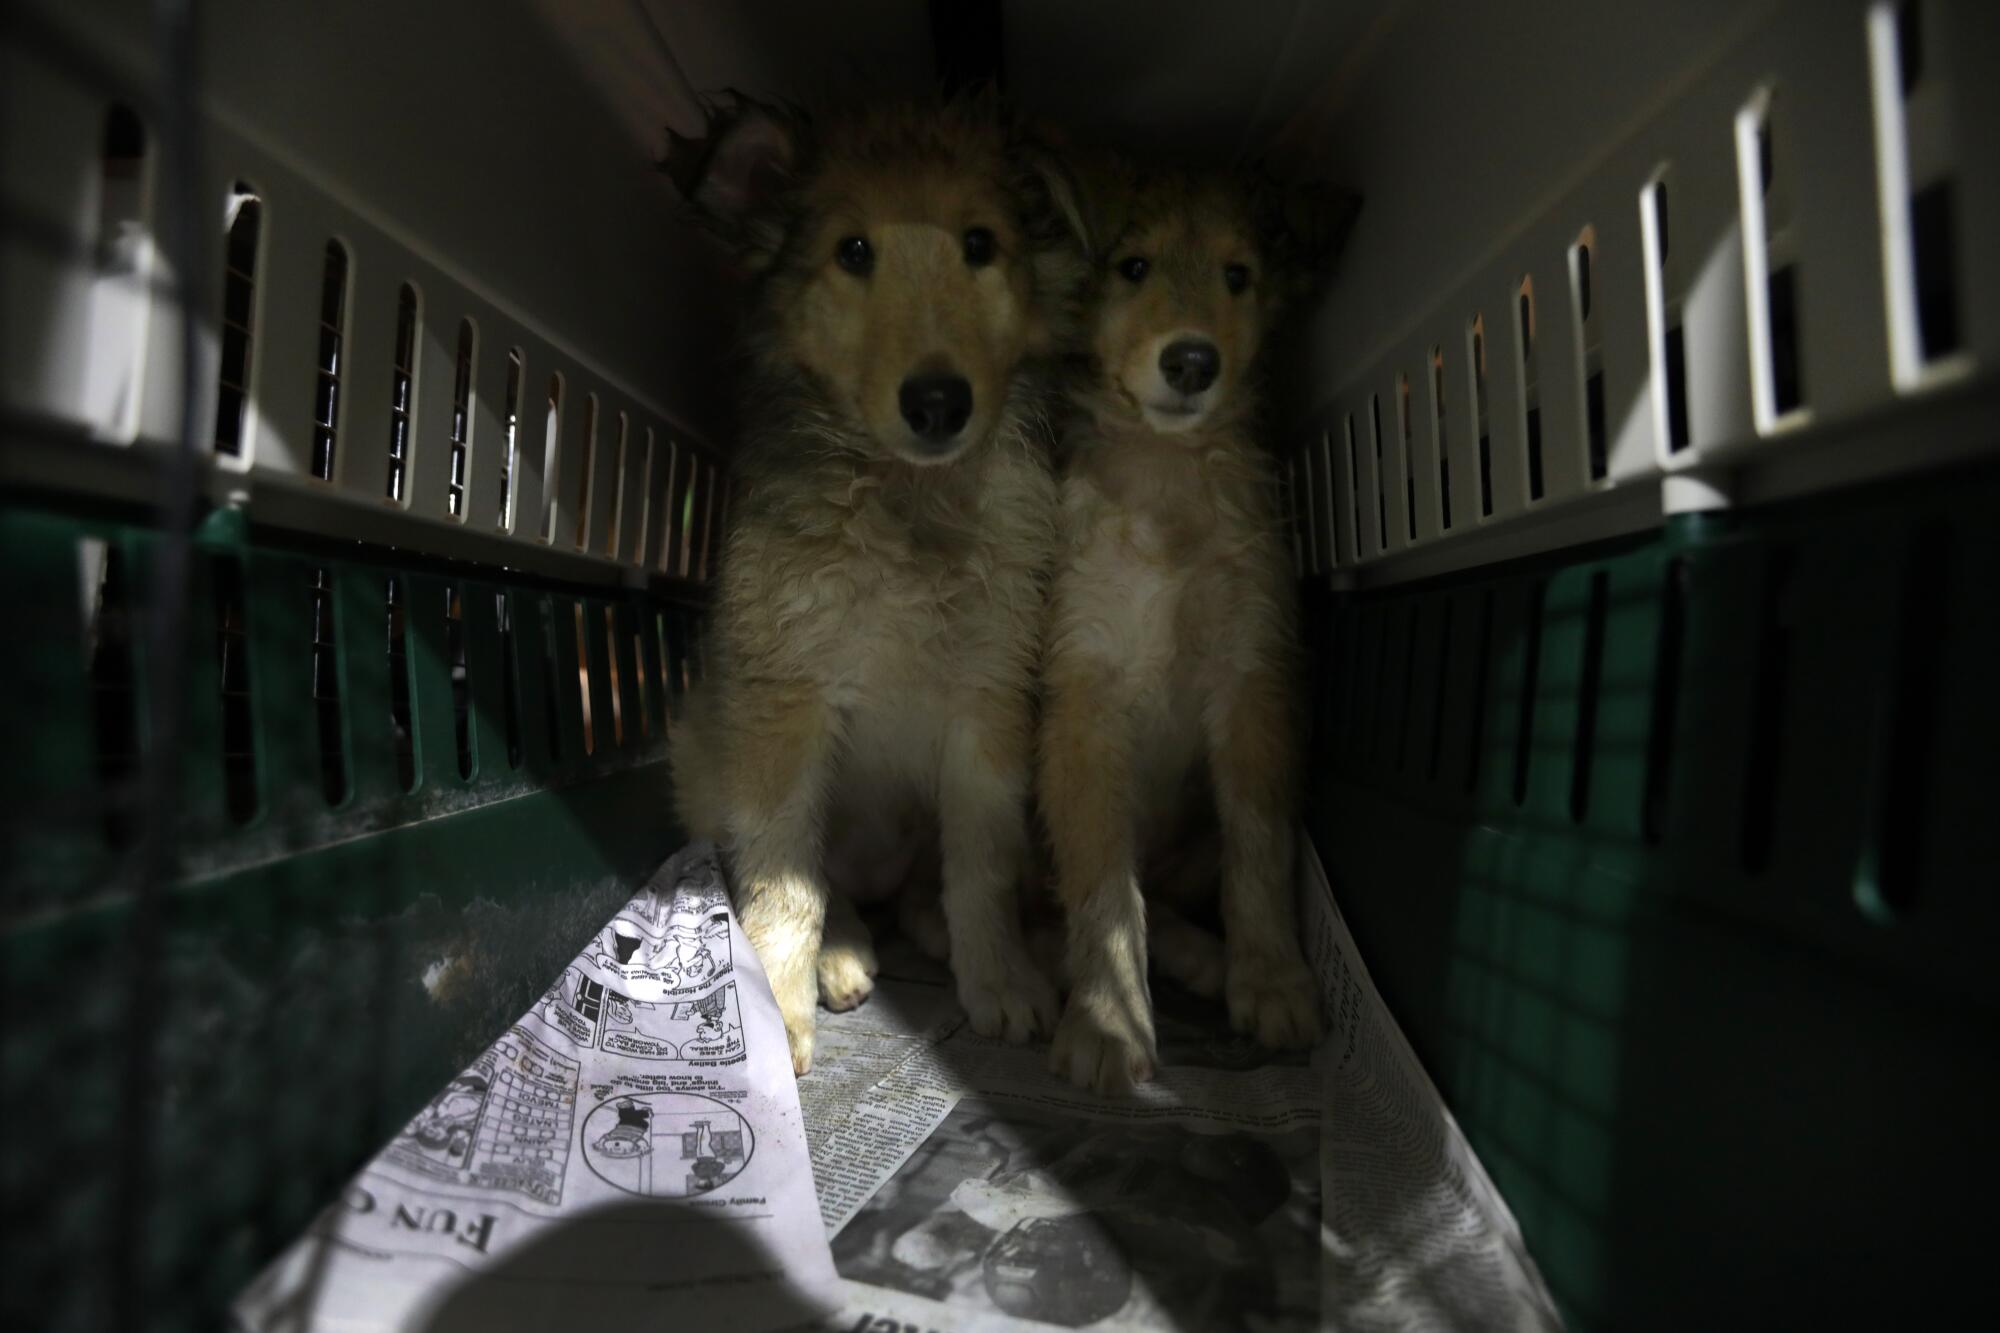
(1675, 861)
(190, 1075)
(1670, 856)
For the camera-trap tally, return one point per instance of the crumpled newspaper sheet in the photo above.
(628, 1154)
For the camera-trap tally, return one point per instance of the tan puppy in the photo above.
(1171, 672)
(883, 580)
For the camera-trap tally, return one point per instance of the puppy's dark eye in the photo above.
(854, 254)
(1133, 269)
(1236, 277)
(980, 247)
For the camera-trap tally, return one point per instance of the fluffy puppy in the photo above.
(1171, 676)
(882, 584)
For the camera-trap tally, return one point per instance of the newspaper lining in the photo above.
(969, 1189)
(635, 1150)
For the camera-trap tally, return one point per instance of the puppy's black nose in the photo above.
(1191, 364)
(936, 406)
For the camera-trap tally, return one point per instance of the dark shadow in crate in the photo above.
(716, 1275)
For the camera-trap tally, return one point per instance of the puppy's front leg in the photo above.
(1105, 1040)
(982, 817)
(1252, 755)
(782, 744)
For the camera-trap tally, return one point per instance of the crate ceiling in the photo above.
(1208, 82)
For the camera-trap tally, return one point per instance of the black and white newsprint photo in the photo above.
(1090, 1223)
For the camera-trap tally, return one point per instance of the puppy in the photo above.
(1171, 676)
(883, 581)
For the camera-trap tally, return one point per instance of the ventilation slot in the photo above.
(402, 389)
(641, 686)
(664, 562)
(510, 686)
(1413, 615)
(399, 688)
(326, 691)
(239, 304)
(461, 685)
(119, 301)
(1353, 490)
(688, 500)
(551, 457)
(1531, 389)
(1308, 519)
(1585, 740)
(1762, 763)
(1665, 293)
(114, 694)
(583, 676)
(1321, 501)
(1916, 159)
(326, 398)
(1475, 732)
(583, 473)
(710, 503)
(1771, 265)
(1531, 667)
(1475, 343)
(1589, 351)
(1409, 455)
(1908, 731)
(616, 677)
(239, 750)
(1666, 702)
(613, 529)
(1381, 474)
(645, 501)
(512, 417)
(551, 680)
(1443, 688)
(461, 417)
(1378, 685)
(1439, 440)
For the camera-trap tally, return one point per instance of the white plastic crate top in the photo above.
(457, 269)
(1763, 230)
(1807, 300)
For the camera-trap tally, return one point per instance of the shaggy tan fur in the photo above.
(880, 603)
(1172, 666)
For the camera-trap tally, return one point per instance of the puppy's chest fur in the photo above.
(1172, 567)
(873, 579)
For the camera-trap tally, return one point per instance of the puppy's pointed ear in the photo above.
(1057, 231)
(1054, 203)
(734, 173)
(1303, 228)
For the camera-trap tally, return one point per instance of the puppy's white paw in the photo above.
(794, 983)
(1105, 1042)
(1015, 1003)
(1272, 998)
(799, 1036)
(846, 974)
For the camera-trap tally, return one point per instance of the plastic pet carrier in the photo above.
(364, 453)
